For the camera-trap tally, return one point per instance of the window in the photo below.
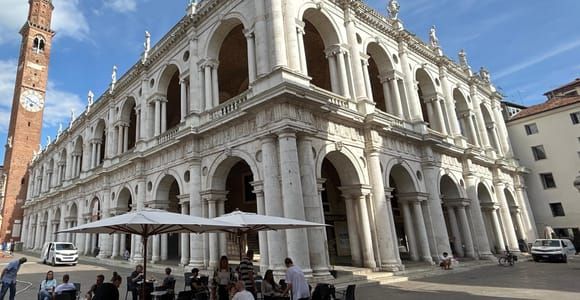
(539, 152)
(557, 210)
(548, 180)
(531, 128)
(575, 116)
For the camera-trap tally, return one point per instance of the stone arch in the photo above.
(164, 183)
(426, 91)
(78, 151)
(353, 171)
(402, 164)
(233, 69)
(220, 32)
(167, 196)
(449, 186)
(402, 175)
(465, 118)
(38, 43)
(125, 200)
(94, 209)
(221, 165)
(50, 173)
(320, 36)
(380, 68)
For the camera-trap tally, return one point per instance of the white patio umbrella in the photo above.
(148, 222)
(252, 222)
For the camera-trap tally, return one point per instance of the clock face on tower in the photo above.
(31, 100)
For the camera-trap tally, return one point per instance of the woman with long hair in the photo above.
(47, 287)
(223, 279)
(270, 289)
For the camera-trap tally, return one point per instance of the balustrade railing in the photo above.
(167, 135)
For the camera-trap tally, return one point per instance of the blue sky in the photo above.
(530, 46)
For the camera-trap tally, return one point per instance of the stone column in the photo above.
(518, 217)
(409, 231)
(458, 241)
(502, 130)
(353, 237)
(262, 38)
(88, 238)
(93, 159)
(434, 213)
(440, 117)
(156, 243)
(506, 218)
(274, 207)
(497, 228)
(209, 103)
(356, 66)
(480, 122)
(116, 241)
(389, 252)
(300, 32)
(343, 73)
(277, 37)
(213, 237)
(410, 85)
(367, 79)
(492, 129)
(137, 241)
(251, 55)
(528, 217)
(157, 117)
(215, 84)
(137, 124)
(480, 238)
(466, 231)
(365, 233)
(296, 239)
(184, 202)
(422, 238)
(468, 117)
(196, 250)
(125, 128)
(334, 85)
(396, 98)
(164, 243)
(388, 95)
(183, 99)
(262, 235)
(223, 239)
(292, 48)
(163, 115)
(449, 102)
(317, 240)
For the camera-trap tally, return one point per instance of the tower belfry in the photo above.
(25, 127)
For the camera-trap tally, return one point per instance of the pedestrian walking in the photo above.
(296, 282)
(246, 270)
(8, 278)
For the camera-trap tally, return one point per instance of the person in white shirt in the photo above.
(296, 281)
(241, 292)
(65, 285)
(445, 261)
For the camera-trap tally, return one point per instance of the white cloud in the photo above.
(122, 6)
(58, 102)
(562, 48)
(68, 20)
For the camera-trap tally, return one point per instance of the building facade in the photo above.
(327, 111)
(546, 139)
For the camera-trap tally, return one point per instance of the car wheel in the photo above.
(53, 262)
(44, 261)
(536, 259)
(565, 259)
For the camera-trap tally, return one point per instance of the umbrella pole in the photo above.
(240, 245)
(145, 238)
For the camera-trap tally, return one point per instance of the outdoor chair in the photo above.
(78, 290)
(259, 295)
(322, 292)
(130, 287)
(348, 294)
(187, 277)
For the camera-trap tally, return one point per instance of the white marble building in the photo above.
(326, 111)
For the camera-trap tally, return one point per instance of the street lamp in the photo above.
(577, 182)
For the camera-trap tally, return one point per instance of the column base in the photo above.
(487, 256)
(392, 267)
(196, 264)
(428, 259)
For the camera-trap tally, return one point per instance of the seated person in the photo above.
(446, 261)
(270, 288)
(65, 286)
(136, 276)
(109, 290)
(98, 283)
(47, 287)
(168, 281)
(240, 292)
(126, 254)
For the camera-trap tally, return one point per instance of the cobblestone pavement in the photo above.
(526, 280)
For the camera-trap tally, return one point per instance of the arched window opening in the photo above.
(233, 76)
(173, 113)
(376, 85)
(316, 60)
(38, 44)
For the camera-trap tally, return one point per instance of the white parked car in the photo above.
(553, 249)
(59, 253)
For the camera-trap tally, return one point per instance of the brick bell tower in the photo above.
(24, 133)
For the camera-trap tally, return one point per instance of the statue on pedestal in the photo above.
(463, 59)
(484, 74)
(146, 46)
(393, 9)
(433, 40)
(113, 79)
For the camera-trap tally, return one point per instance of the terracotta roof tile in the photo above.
(546, 106)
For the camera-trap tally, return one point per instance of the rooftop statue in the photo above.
(463, 58)
(433, 40)
(484, 74)
(393, 9)
(113, 79)
(90, 98)
(146, 46)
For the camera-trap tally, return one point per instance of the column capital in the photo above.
(320, 184)
(457, 202)
(213, 195)
(249, 33)
(268, 139)
(286, 133)
(356, 191)
(413, 197)
(183, 199)
(489, 206)
(258, 186)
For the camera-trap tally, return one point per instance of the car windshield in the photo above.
(65, 247)
(548, 243)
